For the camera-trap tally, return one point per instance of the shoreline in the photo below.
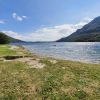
(57, 58)
(39, 56)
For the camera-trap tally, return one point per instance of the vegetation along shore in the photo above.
(26, 76)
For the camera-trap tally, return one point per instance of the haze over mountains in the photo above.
(89, 33)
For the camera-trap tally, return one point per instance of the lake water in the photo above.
(76, 51)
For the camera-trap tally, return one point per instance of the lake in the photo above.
(88, 52)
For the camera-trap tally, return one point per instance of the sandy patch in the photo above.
(14, 47)
(53, 61)
(31, 62)
(1, 59)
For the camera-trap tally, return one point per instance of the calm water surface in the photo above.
(80, 51)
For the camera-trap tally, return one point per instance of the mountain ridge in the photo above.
(4, 39)
(88, 33)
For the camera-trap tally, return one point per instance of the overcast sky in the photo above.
(45, 20)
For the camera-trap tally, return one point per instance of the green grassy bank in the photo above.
(57, 80)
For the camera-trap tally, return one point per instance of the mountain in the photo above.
(6, 39)
(89, 33)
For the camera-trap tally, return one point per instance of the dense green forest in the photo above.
(4, 39)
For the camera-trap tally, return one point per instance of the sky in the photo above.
(45, 20)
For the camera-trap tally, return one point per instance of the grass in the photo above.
(5, 51)
(64, 80)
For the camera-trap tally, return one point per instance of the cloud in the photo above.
(50, 33)
(18, 18)
(2, 22)
(24, 16)
(13, 34)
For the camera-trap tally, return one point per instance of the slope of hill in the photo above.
(89, 33)
(6, 39)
